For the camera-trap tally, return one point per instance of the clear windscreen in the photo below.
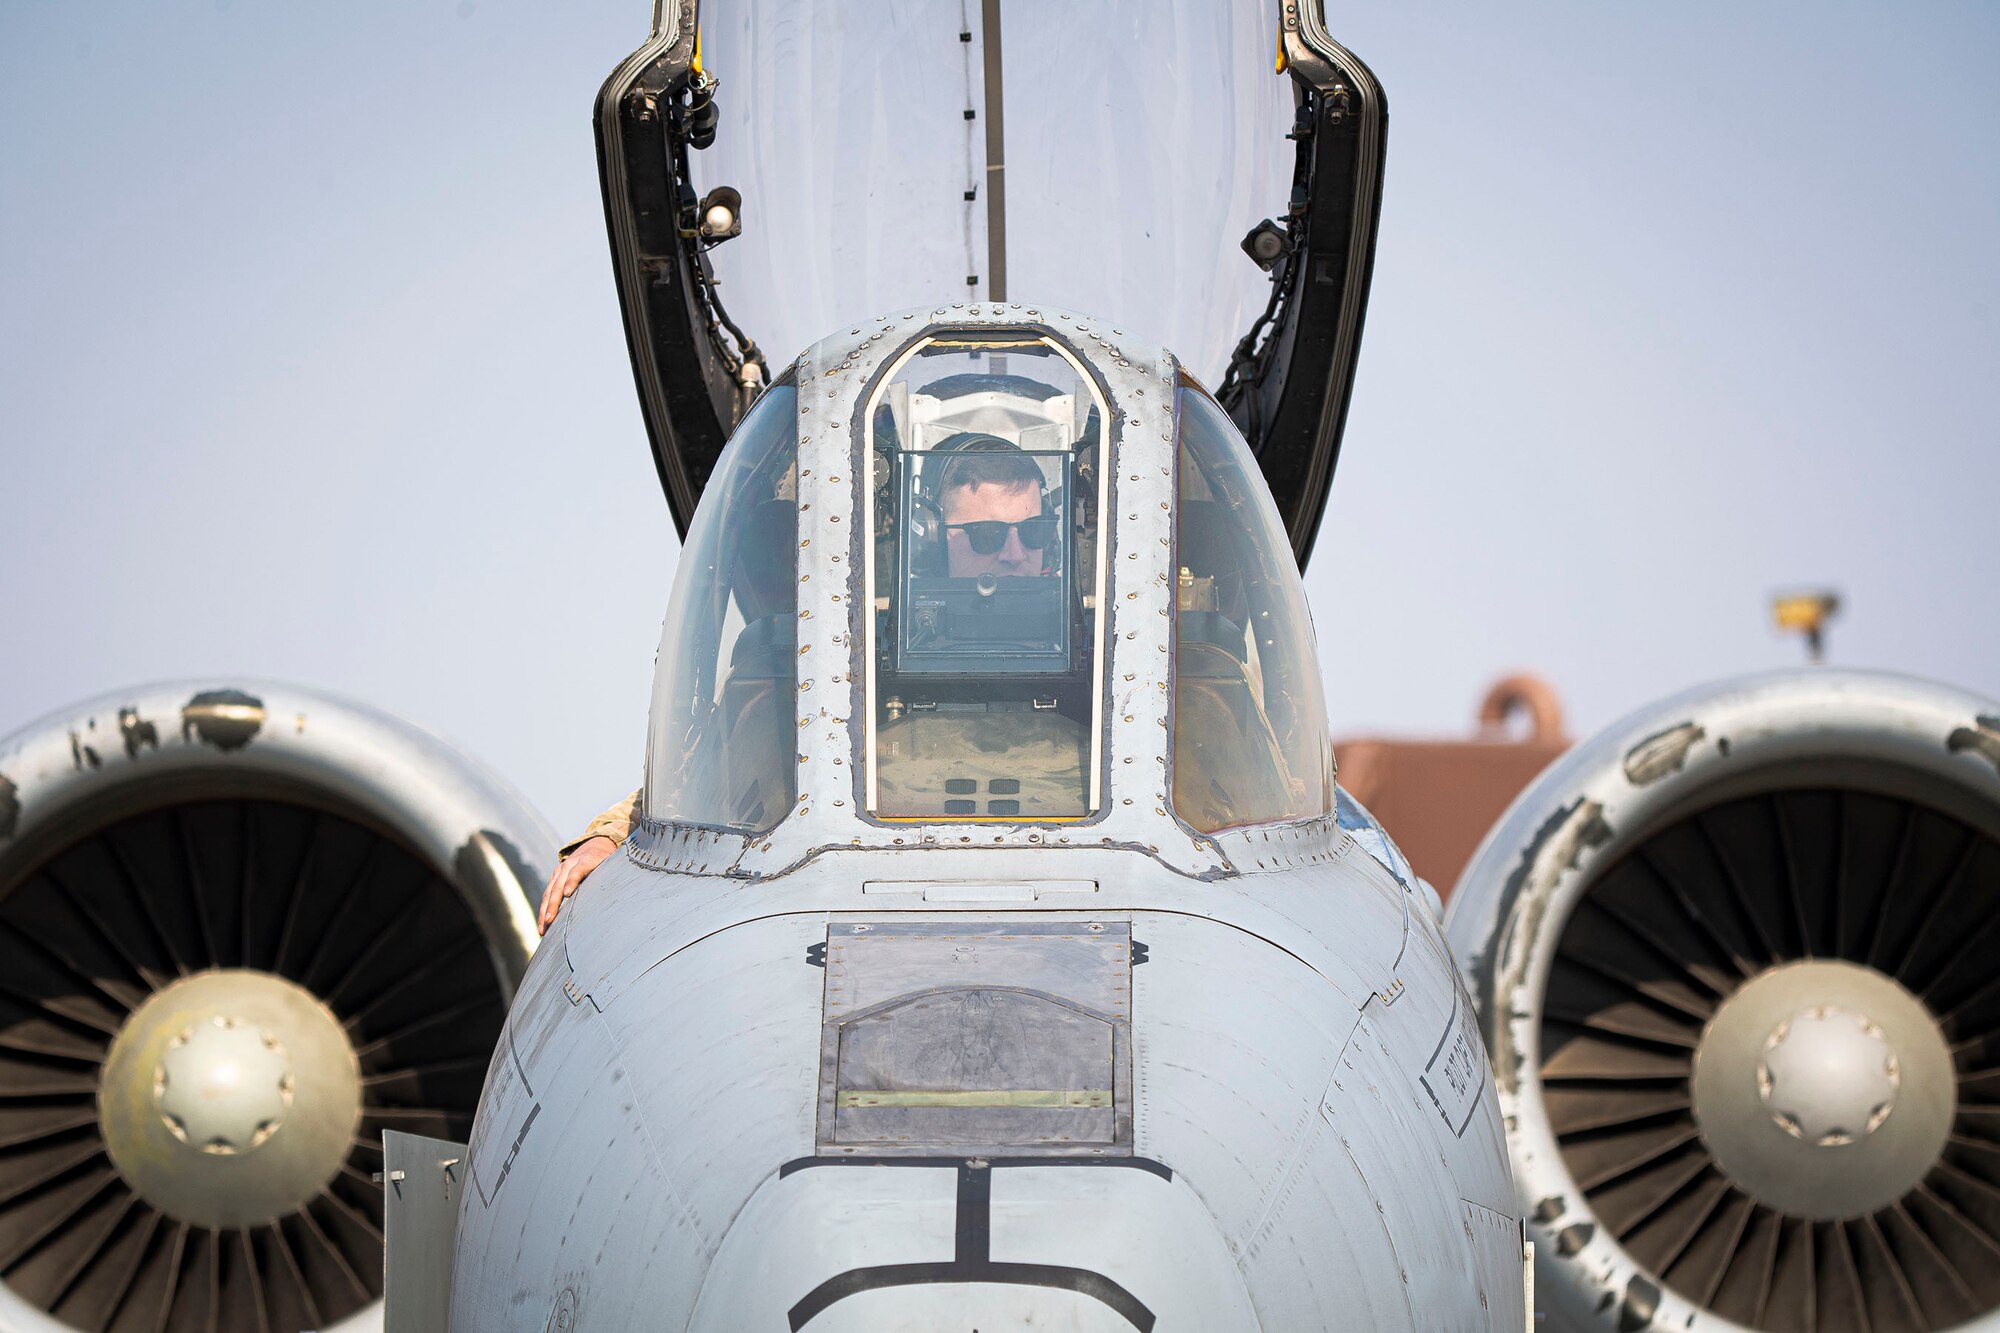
(719, 748)
(984, 579)
(1137, 146)
(1250, 737)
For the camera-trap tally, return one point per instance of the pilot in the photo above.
(994, 519)
(994, 523)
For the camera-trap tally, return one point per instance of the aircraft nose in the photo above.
(839, 1245)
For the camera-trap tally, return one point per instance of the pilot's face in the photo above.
(991, 501)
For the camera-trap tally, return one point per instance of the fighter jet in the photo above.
(994, 948)
(938, 989)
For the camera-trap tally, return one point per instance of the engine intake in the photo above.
(242, 931)
(1734, 960)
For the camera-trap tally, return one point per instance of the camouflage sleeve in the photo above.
(614, 824)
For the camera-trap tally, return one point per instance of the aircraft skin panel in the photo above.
(1444, 1023)
(1136, 1227)
(727, 1085)
(1154, 1233)
(540, 1155)
(800, 1230)
(1300, 1272)
(1353, 945)
(1238, 1099)
(1208, 996)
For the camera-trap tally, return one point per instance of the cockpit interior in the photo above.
(984, 578)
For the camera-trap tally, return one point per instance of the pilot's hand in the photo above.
(569, 875)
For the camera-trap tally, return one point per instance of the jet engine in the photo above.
(1735, 960)
(243, 930)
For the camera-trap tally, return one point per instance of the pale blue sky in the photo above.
(310, 362)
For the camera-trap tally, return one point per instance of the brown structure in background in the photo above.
(1438, 798)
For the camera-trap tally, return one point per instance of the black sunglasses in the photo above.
(987, 536)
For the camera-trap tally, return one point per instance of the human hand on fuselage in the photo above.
(569, 875)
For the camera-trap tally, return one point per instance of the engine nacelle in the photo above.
(1734, 959)
(243, 930)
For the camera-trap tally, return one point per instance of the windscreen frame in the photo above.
(866, 604)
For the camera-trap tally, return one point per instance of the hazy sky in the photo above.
(311, 367)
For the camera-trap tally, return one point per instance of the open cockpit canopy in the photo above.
(775, 171)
